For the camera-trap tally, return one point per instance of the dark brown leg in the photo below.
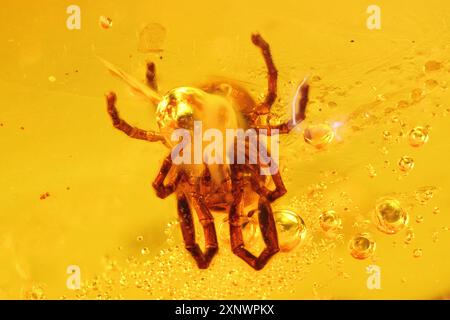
(188, 230)
(259, 181)
(272, 75)
(207, 222)
(286, 127)
(151, 76)
(164, 190)
(266, 224)
(259, 185)
(123, 126)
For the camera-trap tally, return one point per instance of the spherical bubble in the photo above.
(409, 236)
(318, 135)
(329, 221)
(406, 164)
(416, 94)
(105, 22)
(418, 136)
(291, 229)
(389, 216)
(362, 246)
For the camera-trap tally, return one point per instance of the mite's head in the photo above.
(180, 107)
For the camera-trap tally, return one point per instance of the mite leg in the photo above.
(188, 232)
(164, 190)
(300, 114)
(258, 185)
(272, 75)
(150, 75)
(259, 181)
(123, 126)
(207, 222)
(268, 232)
(267, 226)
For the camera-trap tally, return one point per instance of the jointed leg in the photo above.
(272, 75)
(164, 190)
(207, 222)
(123, 126)
(259, 187)
(151, 76)
(300, 114)
(188, 230)
(266, 223)
(259, 180)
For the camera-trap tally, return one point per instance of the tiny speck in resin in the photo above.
(318, 135)
(329, 221)
(105, 22)
(52, 78)
(432, 65)
(409, 236)
(145, 251)
(139, 238)
(389, 216)
(418, 137)
(406, 164)
(362, 246)
(291, 229)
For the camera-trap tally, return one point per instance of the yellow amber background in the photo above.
(52, 85)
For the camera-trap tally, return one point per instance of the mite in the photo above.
(207, 188)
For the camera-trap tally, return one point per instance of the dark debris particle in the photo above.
(44, 196)
(352, 41)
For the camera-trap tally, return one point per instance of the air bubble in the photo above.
(389, 216)
(406, 164)
(329, 221)
(318, 135)
(362, 246)
(105, 22)
(291, 229)
(418, 136)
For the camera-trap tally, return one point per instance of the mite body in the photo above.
(216, 187)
